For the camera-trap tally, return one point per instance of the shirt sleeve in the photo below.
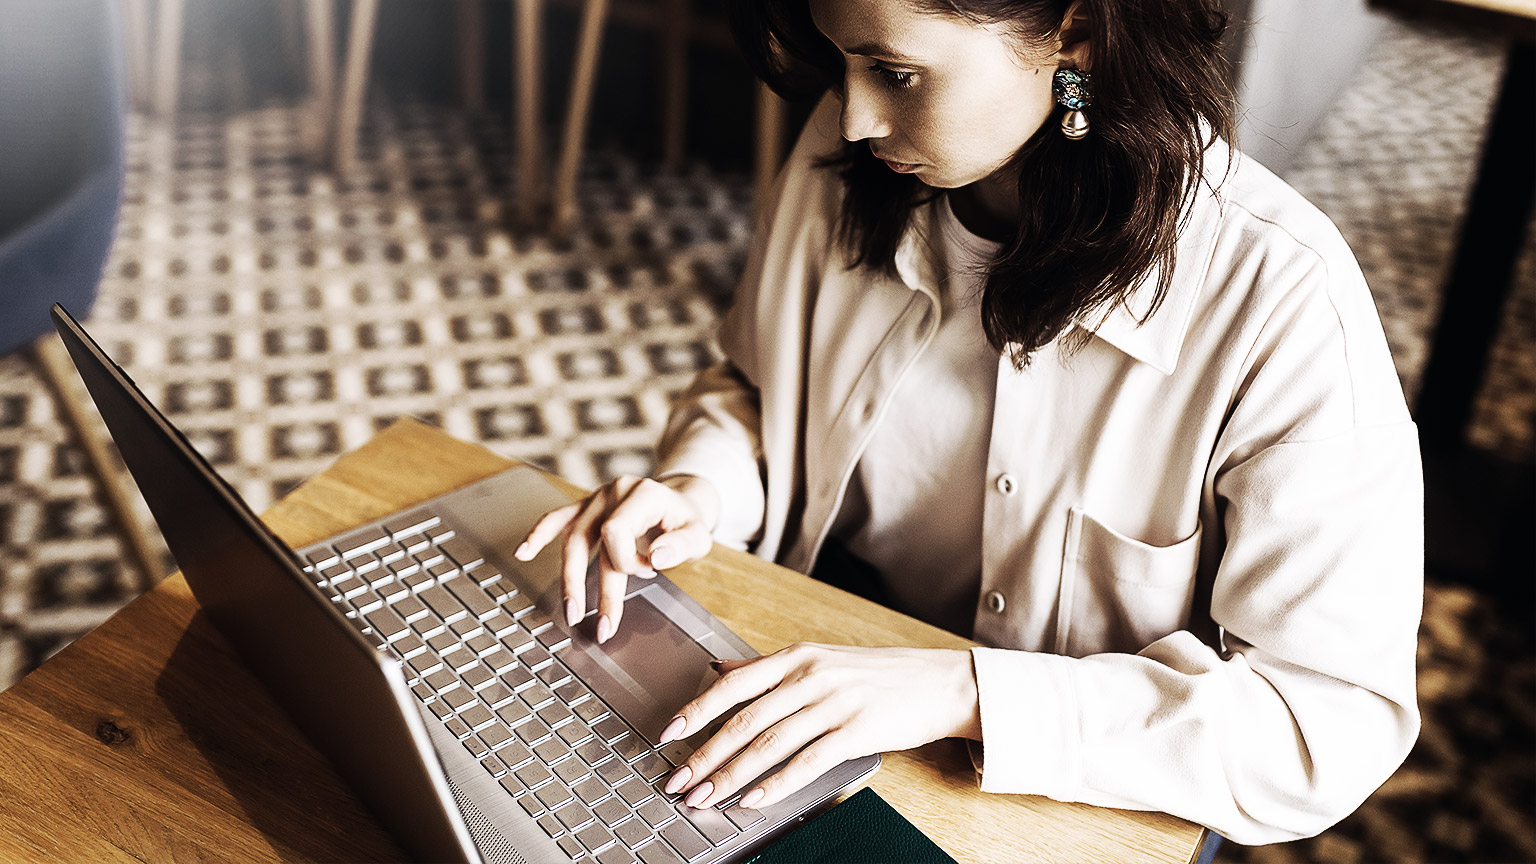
(712, 433)
(1308, 703)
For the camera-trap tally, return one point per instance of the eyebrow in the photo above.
(871, 49)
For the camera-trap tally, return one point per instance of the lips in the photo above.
(894, 165)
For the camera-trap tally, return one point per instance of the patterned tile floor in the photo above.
(282, 315)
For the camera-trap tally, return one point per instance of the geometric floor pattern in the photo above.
(281, 315)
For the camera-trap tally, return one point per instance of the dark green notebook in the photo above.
(861, 830)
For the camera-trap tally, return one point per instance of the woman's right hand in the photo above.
(635, 527)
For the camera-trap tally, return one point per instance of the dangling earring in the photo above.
(1071, 88)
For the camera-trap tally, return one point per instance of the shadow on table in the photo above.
(282, 787)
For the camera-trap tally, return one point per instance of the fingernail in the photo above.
(522, 551)
(604, 629)
(674, 729)
(700, 792)
(663, 557)
(716, 664)
(679, 779)
(647, 574)
(572, 612)
(750, 799)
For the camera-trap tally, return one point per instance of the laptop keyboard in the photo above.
(487, 663)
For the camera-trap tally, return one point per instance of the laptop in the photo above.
(433, 669)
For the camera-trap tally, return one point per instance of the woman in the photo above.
(1113, 402)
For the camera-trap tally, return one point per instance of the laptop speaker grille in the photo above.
(493, 844)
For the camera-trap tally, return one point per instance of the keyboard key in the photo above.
(591, 710)
(443, 603)
(477, 676)
(552, 795)
(554, 675)
(497, 588)
(457, 727)
(409, 646)
(570, 847)
(554, 713)
(515, 787)
(630, 748)
(610, 729)
(517, 640)
(349, 587)
(500, 624)
(711, 823)
(633, 791)
(554, 639)
(551, 825)
(424, 664)
(472, 596)
(591, 790)
(496, 694)
(537, 695)
(743, 818)
(615, 854)
(475, 747)
(656, 812)
(573, 815)
(684, 838)
(361, 543)
(513, 713)
(551, 750)
(613, 771)
(676, 752)
(460, 659)
(465, 555)
(429, 628)
(595, 837)
(441, 680)
(611, 811)
(493, 766)
(386, 623)
(537, 621)
(535, 657)
(574, 733)
(367, 601)
(458, 697)
(407, 524)
(572, 691)
(593, 751)
(514, 754)
(482, 644)
(477, 716)
(424, 692)
(533, 775)
(440, 708)
(572, 771)
(442, 643)
(500, 659)
(533, 731)
(658, 853)
(518, 605)
(650, 766)
(633, 832)
(467, 628)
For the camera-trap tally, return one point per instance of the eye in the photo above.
(893, 78)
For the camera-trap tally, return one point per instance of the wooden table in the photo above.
(147, 741)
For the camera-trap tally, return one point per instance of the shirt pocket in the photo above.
(1118, 594)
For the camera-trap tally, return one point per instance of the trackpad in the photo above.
(647, 671)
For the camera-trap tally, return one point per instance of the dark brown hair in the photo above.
(1097, 215)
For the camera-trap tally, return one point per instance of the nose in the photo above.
(862, 115)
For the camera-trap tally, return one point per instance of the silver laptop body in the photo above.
(435, 673)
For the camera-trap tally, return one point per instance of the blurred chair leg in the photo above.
(470, 18)
(171, 18)
(319, 115)
(354, 85)
(589, 43)
(527, 23)
(136, 27)
(674, 78)
(769, 145)
(60, 374)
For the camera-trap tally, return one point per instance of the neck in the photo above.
(987, 208)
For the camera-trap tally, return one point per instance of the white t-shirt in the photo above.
(914, 507)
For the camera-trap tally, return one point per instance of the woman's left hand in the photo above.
(821, 705)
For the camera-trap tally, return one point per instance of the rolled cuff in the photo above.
(1029, 740)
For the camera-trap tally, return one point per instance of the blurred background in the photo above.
(293, 221)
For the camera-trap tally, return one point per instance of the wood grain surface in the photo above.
(147, 741)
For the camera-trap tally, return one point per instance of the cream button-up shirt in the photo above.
(1202, 531)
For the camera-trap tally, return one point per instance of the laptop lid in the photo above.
(349, 699)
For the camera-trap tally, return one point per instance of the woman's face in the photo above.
(940, 97)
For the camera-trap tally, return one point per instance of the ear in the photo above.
(1075, 37)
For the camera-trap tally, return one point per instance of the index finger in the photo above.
(740, 680)
(546, 529)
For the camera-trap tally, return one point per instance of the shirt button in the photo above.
(995, 601)
(1006, 484)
